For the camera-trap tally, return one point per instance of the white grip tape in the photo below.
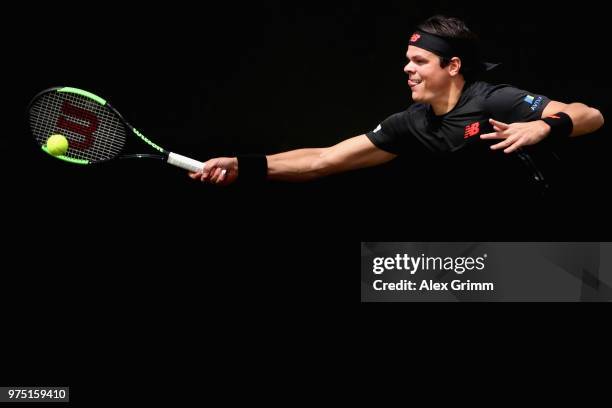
(185, 162)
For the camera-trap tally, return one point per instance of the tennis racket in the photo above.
(96, 132)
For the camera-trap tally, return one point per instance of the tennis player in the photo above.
(455, 115)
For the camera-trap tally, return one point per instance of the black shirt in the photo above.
(459, 128)
(450, 146)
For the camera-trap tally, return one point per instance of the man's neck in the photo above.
(447, 102)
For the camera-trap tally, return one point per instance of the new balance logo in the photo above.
(471, 130)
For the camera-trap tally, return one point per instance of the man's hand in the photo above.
(517, 134)
(220, 170)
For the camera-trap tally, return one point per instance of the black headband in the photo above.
(449, 47)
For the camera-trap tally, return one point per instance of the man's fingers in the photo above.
(213, 171)
(215, 175)
(210, 169)
(205, 170)
(501, 125)
(494, 135)
(515, 146)
(501, 145)
(504, 144)
(207, 173)
(221, 178)
(211, 175)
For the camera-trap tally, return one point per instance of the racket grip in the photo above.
(185, 162)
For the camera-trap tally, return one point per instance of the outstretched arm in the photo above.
(302, 164)
(515, 135)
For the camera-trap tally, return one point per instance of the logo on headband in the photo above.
(415, 37)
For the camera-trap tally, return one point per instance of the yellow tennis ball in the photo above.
(57, 145)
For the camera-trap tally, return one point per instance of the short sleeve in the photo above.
(392, 134)
(509, 104)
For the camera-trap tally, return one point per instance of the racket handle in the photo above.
(184, 162)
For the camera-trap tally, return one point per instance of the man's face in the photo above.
(426, 79)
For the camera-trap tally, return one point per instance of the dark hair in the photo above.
(455, 29)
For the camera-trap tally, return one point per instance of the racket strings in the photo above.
(104, 141)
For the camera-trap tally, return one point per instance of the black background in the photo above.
(272, 77)
(152, 252)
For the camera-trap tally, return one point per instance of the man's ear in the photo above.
(454, 66)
